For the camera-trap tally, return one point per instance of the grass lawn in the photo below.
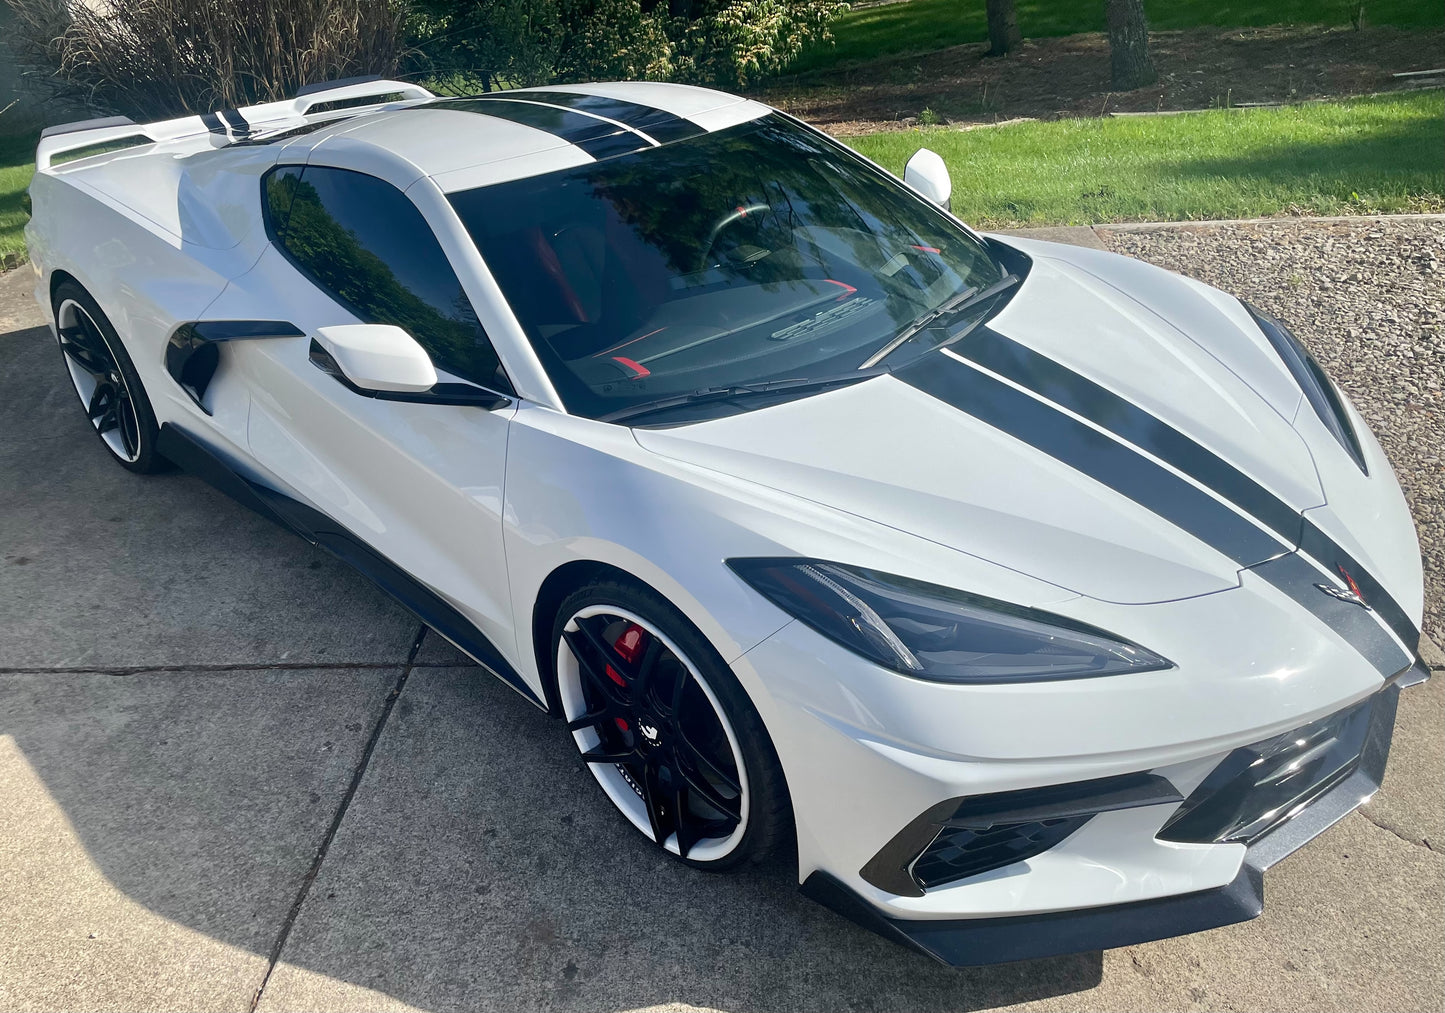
(17, 165)
(926, 25)
(1360, 156)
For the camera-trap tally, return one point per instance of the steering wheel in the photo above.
(737, 214)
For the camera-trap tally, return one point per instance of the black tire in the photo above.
(134, 436)
(769, 818)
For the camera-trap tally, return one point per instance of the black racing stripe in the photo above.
(659, 124)
(1091, 452)
(1082, 396)
(233, 119)
(1068, 389)
(1296, 577)
(1322, 547)
(598, 138)
(213, 123)
(1154, 487)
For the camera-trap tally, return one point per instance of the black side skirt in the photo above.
(317, 528)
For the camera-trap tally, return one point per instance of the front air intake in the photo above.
(968, 836)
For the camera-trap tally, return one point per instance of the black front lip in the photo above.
(972, 941)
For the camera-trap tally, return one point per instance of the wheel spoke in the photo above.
(647, 667)
(86, 350)
(583, 647)
(103, 409)
(729, 807)
(589, 720)
(706, 764)
(607, 652)
(603, 755)
(658, 801)
(687, 833)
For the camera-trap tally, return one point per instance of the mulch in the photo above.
(1198, 68)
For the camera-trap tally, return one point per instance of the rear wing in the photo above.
(233, 124)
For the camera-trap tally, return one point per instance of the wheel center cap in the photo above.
(650, 733)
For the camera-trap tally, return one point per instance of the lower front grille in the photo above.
(959, 852)
(1258, 787)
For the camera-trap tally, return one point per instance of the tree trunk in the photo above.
(1003, 27)
(1129, 45)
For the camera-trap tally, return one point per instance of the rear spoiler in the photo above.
(234, 124)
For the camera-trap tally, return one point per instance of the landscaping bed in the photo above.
(1051, 78)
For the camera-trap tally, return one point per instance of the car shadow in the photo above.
(477, 865)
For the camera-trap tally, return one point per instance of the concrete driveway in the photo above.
(234, 776)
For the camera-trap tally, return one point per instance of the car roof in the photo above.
(469, 142)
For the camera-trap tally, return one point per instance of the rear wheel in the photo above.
(665, 728)
(115, 403)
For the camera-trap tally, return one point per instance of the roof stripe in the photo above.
(598, 137)
(658, 124)
(1116, 462)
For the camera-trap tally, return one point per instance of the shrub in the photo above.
(150, 59)
(510, 43)
(517, 43)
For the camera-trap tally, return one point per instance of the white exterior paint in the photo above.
(482, 507)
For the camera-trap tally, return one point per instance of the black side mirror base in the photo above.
(460, 394)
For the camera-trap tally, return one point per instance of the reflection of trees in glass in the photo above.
(362, 280)
(672, 204)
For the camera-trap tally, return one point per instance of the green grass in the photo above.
(1360, 156)
(926, 25)
(17, 165)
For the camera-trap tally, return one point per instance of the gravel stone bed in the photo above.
(1368, 299)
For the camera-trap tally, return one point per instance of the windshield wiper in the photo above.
(738, 391)
(965, 300)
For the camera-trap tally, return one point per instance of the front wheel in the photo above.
(665, 728)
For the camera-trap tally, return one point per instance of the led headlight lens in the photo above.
(936, 632)
(1318, 389)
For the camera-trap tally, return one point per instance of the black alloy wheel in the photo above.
(666, 731)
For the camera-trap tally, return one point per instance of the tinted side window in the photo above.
(367, 245)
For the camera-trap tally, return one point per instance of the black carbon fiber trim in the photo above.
(192, 355)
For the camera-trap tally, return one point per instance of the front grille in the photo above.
(1261, 786)
(959, 852)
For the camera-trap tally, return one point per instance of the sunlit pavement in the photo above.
(233, 773)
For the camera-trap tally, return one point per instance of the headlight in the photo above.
(1318, 389)
(938, 633)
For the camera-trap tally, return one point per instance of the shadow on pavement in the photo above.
(195, 689)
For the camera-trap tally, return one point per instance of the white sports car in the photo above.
(1040, 598)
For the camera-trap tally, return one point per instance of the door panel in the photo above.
(420, 484)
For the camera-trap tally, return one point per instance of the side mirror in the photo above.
(927, 174)
(378, 357)
(384, 362)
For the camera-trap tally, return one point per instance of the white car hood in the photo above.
(893, 452)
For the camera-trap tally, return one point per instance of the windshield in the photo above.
(757, 253)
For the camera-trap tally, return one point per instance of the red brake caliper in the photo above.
(629, 645)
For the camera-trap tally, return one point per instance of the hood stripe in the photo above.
(598, 137)
(1062, 386)
(658, 124)
(1116, 462)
